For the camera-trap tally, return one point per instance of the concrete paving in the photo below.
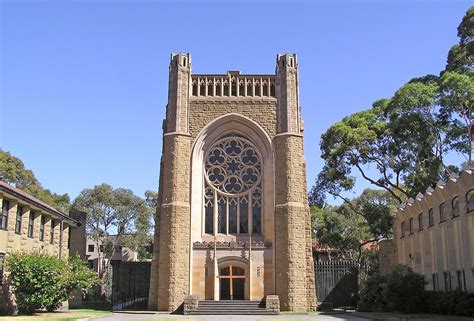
(123, 316)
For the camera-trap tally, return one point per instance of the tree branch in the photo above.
(377, 183)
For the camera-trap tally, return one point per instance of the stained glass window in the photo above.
(233, 173)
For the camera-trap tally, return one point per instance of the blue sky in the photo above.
(83, 84)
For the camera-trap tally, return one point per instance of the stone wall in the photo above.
(262, 111)
(294, 262)
(387, 259)
(173, 261)
(78, 235)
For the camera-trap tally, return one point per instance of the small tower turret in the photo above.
(178, 95)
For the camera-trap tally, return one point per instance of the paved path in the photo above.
(122, 316)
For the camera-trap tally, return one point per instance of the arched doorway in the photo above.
(232, 283)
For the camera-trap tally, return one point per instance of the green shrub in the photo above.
(450, 303)
(465, 307)
(405, 290)
(401, 290)
(371, 295)
(41, 281)
(436, 302)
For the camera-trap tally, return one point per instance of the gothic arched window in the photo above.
(470, 200)
(233, 187)
(455, 206)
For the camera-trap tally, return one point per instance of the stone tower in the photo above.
(232, 200)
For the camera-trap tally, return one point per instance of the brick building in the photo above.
(233, 219)
(90, 250)
(30, 225)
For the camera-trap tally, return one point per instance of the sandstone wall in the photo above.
(202, 112)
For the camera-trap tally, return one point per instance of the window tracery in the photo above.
(233, 189)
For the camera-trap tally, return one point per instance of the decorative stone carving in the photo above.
(232, 245)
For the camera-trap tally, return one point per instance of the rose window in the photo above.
(233, 193)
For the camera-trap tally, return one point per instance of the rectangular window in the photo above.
(435, 281)
(69, 237)
(442, 213)
(402, 228)
(51, 232)
(420, 221)
(411, 225)
(19, 213)
(460, 282)
(4, 217)
(430, 218)
(42, 223)
(447, 281)
(464, 280)
(31, 222)
(90, 248)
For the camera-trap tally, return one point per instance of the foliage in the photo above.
(461, 56)
(141, 243)
(41, 281)
(111, 215)
(66, 315)
(371, 294)
(351, 226)
(80, 276)
(457, 100)
(151, 198)
(13, 172)
(400, 144)
(335, 231)
(400, 290)
(449, 303)
(405, 289)
(390, 146)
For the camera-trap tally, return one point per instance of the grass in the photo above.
(69, 315)
(393, 316)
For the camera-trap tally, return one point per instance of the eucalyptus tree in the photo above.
(114, 217)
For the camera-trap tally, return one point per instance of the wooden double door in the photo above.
(232, 283)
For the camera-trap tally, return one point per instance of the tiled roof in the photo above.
(318, 248)
(22, 194)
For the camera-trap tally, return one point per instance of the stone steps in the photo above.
(231, 308)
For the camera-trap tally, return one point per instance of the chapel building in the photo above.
(232, 219)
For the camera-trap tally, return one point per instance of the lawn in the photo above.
(392, 316)
(69, 315)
